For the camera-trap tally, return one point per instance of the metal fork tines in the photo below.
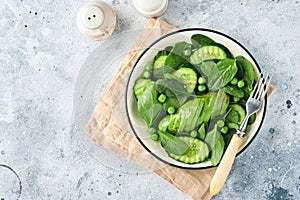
(256, 99)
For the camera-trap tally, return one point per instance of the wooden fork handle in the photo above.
(225, 165)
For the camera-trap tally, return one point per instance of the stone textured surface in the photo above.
(41, 54)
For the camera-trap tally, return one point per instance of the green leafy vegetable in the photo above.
(217, 151)
(227, 137)
(149, 108)
(161, 53)
(172, 144)
(199, 40)
(160, 68)
(215, 141)
(172, 87)
(176, 56)
(247, 74)
(171, 102)
(220, 74)
(234, 91)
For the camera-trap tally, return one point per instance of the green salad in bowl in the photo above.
(186, 97)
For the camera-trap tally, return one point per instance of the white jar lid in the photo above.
(96, 20)
(91, 16)
(152, 8)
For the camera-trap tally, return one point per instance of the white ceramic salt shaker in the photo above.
(151, 8)
(96, 20)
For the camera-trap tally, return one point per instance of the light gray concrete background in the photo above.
(41, 54)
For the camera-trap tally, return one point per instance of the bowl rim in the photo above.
(137, 61)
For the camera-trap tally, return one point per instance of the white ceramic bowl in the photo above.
(139, 127)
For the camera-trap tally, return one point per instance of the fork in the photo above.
(253, 105)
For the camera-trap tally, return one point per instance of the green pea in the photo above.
(152, 130)
(241, 84)
(147, 74)
(154, 137)
(187, 52)
(224, 129)
(234, 81)
(201, 80)
(162, 98)
(149, 67)
(171, 110)
(220, 123)
(201, 88)
(194, 134)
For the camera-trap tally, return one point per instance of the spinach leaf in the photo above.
(199, 40)
(154, 115)
(215, 141)
(172, 87)
(176, 57)
(212, 137)
(217, 151)
(171, 102)
(247, 69)
(149, 108)
(180, 47)
(220, 74)
(160, 69)
(234, 91)
(227, 137)
(208, 68)
(161, 53)
(172, 144)
(159, 73)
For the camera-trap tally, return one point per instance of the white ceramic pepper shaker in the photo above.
(151, 8)
(96, 20)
